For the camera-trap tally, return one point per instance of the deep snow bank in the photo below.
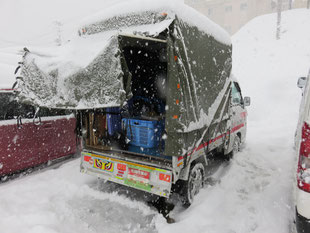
(268, 69)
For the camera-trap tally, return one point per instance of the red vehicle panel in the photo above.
(34, 142)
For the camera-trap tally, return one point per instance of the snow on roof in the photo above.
(60, 70)
(72, 56)
(55, 70)
(80, 51)
(171, 7)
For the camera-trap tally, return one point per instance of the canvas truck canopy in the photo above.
(85, 73)
(199, 81)
(91, 72)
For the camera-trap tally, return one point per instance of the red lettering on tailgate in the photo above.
(87, 158)
(121, 167)
(139, 173)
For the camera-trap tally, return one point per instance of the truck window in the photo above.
(236, 94)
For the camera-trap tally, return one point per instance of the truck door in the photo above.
(56, 133)
(238, 112)
(18, 143)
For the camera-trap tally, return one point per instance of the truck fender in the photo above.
(184, 173)
(231, 142)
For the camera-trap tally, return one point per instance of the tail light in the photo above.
(303, 172)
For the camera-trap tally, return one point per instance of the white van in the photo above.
(303, 151)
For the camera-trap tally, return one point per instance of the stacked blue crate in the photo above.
(114, 120)
(144, 136)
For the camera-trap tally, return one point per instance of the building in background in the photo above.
(300, 3)
(233, 14)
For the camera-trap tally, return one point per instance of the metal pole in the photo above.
(308, 4)
(279, 19)
(290, 6)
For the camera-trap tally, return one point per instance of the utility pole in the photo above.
(58, 26)
(290, 4)
(279, 7)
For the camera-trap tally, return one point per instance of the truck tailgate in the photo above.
(130, 173)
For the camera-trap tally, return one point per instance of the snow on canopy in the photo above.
(86, 71)
(171, 7)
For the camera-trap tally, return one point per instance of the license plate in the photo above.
(104, 165)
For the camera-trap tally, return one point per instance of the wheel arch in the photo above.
(185, 171)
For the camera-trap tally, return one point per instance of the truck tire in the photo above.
(236, 145)
(193, 185)
(235, 148)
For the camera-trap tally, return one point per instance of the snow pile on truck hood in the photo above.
(86, 71)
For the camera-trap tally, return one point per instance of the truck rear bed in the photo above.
(153, 175)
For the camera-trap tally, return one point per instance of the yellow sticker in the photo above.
(104, 165)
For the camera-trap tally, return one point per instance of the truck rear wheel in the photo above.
(235, 148)
(236, 145)
(194, 184)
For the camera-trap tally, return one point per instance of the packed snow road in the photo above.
(62, 200)
(251, 193)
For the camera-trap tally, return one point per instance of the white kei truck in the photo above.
(154, 94)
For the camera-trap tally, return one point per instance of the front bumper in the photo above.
(302, 223)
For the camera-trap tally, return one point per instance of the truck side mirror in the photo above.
(301, 83)
(247, 101)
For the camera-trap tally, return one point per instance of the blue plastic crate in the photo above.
(142, 133)
(149, 151)
(114, 120)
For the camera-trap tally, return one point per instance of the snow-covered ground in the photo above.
(255, 189)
